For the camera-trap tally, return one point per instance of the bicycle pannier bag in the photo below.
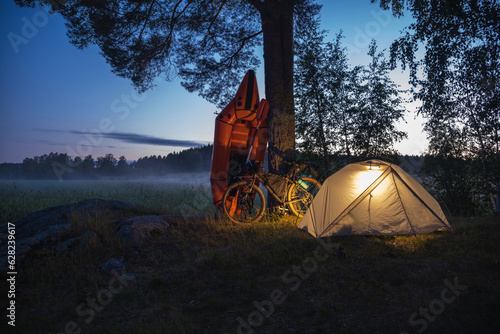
(277, 183)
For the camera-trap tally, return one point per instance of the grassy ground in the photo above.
(212, 276)
(179, 195)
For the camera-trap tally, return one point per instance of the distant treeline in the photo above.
(63, 167)
(458, 183)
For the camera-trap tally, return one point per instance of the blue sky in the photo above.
(56, 98)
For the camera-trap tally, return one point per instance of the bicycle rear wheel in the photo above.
(243, 204)
(300, 195)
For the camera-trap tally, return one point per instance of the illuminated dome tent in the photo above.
(372, 197)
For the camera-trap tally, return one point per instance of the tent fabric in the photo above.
(372, 197)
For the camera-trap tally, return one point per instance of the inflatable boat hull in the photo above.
(240, 131)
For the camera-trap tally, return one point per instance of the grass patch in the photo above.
(20, 198)
(209, 276)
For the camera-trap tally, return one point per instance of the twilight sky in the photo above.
(56, 98)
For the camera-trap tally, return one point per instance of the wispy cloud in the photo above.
(42, 141)
(49, 130)
(134, 138)
(150, 140)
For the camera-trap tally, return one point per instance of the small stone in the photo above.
(129, 277)
(115, 263)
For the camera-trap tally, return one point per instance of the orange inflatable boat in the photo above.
(240, 133)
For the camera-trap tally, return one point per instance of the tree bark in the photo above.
(277, 27)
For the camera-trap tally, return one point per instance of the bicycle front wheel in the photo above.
(300, 195)
(242, 203)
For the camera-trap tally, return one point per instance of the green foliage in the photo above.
(457, 79)
(318, 79)
(208, 44)
(377, 108)
(343, 111)
(458, 183)
(204, 42)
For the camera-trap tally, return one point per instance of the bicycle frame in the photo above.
(256, 177)
(289, 191)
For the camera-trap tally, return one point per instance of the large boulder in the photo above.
(46, 228)
(51, 222)
(50, 229)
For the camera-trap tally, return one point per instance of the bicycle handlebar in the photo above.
(253, 166)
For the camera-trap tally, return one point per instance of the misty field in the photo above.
(177, 194)
(213, 276)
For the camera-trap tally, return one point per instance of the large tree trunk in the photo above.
(277, 27)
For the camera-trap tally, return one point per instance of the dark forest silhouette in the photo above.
(60, 166)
